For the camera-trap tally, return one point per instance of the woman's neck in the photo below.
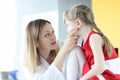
(50, 59)
(44, 54)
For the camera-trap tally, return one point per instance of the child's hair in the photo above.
(31, 57)
(85, 14)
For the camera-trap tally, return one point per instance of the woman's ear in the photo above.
(36, 44)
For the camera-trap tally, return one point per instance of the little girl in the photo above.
(100, 59)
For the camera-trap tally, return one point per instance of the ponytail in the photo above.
(107, 43)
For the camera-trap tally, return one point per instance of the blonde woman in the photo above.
(42, 58)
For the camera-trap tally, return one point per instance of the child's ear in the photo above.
(78, 21)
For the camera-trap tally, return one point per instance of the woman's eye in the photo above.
(46, 35)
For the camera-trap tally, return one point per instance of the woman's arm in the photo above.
(96, 43)
(68, 45)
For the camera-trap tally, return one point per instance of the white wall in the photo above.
(7, 35)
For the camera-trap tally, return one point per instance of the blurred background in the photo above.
(15, 14)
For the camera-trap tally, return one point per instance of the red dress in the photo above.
(107, 74)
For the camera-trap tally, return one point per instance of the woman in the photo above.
(41, 58)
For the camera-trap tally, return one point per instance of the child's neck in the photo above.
(84, 32)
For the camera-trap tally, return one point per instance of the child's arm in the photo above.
(96, 43)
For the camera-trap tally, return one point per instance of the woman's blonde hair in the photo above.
(31, 57)
(85, 14)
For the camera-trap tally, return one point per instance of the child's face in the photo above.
(70, 25)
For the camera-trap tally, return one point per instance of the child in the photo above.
(102, 62)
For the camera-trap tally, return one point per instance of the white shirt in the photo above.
(45, 72)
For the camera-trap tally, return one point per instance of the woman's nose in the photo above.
(53, 36)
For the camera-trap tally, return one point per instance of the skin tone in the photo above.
(70, 26)
(97, 49)
(47, 42)
(69, 44)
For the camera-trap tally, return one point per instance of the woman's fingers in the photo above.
(73, 32)
(71, 40)
(76, 37)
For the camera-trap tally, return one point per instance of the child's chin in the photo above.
(69, 31)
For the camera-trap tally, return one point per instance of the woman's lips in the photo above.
(53, 43)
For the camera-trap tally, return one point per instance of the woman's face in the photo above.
(47, 38)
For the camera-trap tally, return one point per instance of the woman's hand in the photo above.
(68, 45)
(71, 40)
